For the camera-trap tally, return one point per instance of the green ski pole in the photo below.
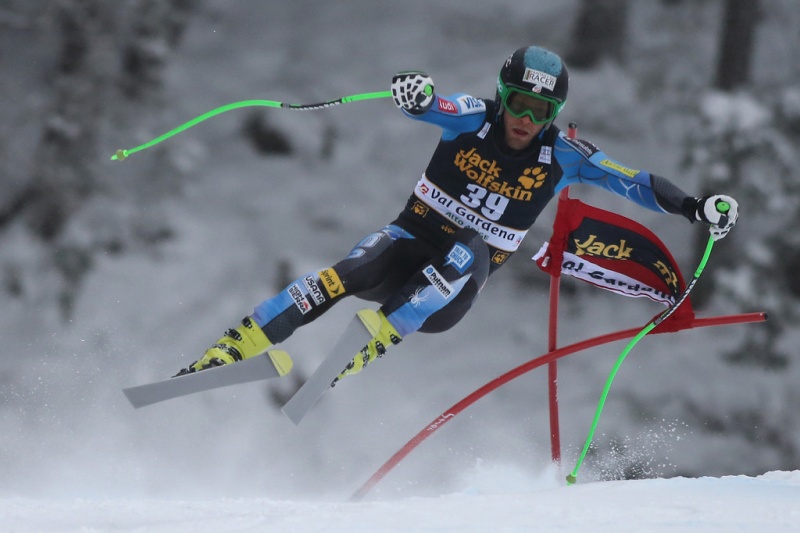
(121, 154)
(722, 207)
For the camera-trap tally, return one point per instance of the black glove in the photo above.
(412, 91)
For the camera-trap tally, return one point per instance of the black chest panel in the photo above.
(476, 181)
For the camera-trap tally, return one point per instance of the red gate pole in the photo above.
(552, 368)
(552, 342)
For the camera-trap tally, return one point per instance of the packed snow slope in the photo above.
(495, 502)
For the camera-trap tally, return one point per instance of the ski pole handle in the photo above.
(723, 208)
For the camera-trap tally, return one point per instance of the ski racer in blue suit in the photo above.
(497, 165)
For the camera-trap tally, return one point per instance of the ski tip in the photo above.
(281, 360)
(131, 398)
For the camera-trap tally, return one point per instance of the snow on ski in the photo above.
(272, 364)
(360, 331)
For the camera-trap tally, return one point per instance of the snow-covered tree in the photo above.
(103, 61)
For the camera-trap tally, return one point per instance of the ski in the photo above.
(363, 327)
(272, 364)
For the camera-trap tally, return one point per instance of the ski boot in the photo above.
(243, 342)
(386, 336)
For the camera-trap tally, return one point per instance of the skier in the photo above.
(497, 165)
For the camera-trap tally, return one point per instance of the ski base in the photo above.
(272, 364)
(363, 327)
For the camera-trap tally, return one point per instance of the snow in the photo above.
(76, 457)
(494, 502)
(738, 112)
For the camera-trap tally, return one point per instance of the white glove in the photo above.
(412, 91)
(720, 211)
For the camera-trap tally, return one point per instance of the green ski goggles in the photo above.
(540, 109)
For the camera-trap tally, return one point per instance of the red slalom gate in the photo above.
(524, 368)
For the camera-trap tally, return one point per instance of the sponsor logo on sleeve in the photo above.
(470, 104)
(331, 283)
(446, 106)
(619, 168)
(584, 147)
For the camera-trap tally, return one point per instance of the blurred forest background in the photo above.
(113, 274)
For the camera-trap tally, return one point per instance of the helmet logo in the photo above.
(539, 79)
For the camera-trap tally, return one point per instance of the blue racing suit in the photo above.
(468, 213)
